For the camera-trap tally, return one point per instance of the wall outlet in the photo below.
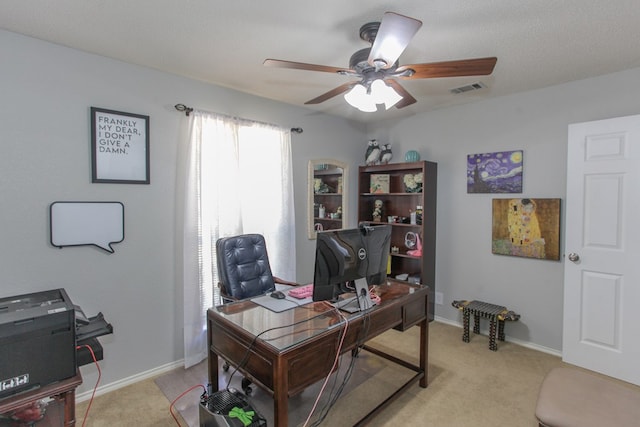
(439, 298)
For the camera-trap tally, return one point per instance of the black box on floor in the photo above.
(228, 408)
(37, 340)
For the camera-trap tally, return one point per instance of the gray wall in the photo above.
(44, 134)
(535, 122)
(46, 93)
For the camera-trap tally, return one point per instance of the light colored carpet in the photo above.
(468, 385)
(370, 373)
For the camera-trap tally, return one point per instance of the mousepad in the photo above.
(279, 305)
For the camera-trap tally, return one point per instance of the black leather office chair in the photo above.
(244, 270)
(243, 267)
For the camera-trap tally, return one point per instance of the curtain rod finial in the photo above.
(296, 130)
(182, 107)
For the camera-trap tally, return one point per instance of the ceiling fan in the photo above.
(379, 63)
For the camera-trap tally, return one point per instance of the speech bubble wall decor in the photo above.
(99, 224)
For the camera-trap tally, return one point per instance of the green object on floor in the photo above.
(246, 417)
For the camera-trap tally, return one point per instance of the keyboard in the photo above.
(301, 292)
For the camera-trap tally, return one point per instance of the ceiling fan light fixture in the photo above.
(359, 98)
(366, 100)
(384, 94)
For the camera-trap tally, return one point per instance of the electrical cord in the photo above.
(245, 358)
(86, 413)
(333, 396)
(335, 364)
(203, 395)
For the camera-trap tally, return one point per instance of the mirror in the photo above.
(327, 195)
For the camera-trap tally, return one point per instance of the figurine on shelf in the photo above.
(320, 187)
(385, 154)
(372, 156)
(377, 210)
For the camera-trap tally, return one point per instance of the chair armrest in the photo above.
(224, 296)
(284, 282)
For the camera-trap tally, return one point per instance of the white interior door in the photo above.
(601, 329)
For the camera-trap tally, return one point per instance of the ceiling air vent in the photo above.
(467, 88)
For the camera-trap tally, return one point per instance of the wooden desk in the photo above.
(288, 359)
(64, 391)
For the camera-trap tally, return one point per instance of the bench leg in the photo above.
(492, 336)
(465, 325)
(476, 324)
(501, 330)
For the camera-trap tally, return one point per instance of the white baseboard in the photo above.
(526, 344)
(81, 397)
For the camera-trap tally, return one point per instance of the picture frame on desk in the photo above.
(119, 147)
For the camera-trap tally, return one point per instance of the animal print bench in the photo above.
(496, 314)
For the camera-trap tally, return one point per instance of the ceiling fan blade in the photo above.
(464, 67)
(333, 92)
(394, 34)
(278, 63)
(407, 98)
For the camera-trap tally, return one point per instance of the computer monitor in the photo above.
(346, 255)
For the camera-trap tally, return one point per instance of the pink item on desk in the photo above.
(301, 292)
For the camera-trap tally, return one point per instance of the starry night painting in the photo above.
(499, 172)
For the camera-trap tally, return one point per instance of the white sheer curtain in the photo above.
(238, 179)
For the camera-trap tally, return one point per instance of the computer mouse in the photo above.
(278, 295)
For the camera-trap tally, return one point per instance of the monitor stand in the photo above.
(360, 302)
(362, 292)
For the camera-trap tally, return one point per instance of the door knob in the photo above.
(574, 257)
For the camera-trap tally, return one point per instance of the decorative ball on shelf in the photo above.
(411, 156)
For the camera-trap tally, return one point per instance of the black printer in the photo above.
(38, 339)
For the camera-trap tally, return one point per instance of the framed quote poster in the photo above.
(119, 147)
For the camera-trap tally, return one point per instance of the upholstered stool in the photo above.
(570, 397)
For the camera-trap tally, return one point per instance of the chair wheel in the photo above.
(225, 367)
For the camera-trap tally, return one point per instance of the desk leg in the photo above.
(212, 360)
(213, 371)
(280, 393)
(424, 352)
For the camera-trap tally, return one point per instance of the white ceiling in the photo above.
(538, 43)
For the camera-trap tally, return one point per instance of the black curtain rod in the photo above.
(188, 110)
